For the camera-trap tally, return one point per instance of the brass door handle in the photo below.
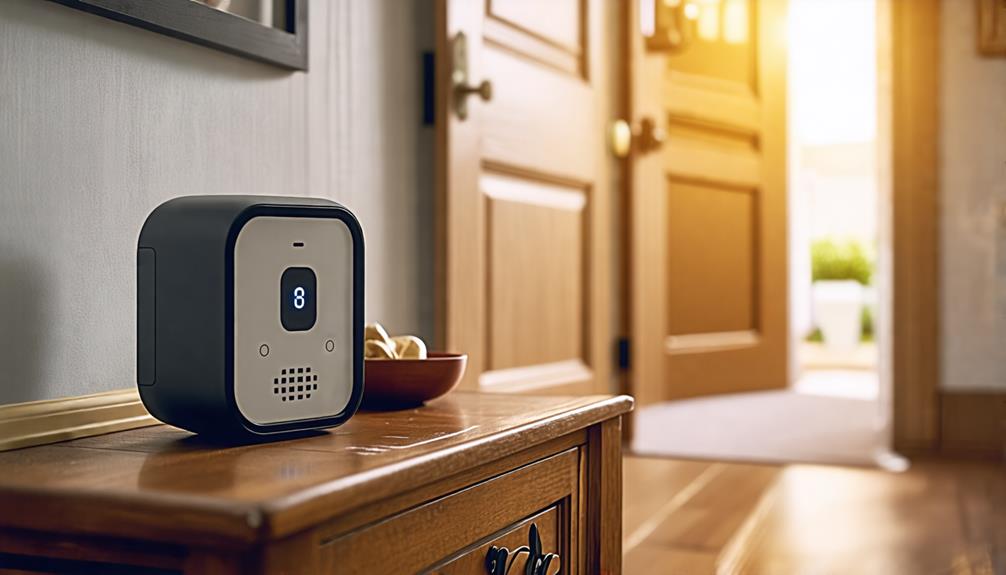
(484, 90)
(642, 138)
(460, 87)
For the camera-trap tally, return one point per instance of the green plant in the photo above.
(867, 322)
(831, 260)
(867, 335)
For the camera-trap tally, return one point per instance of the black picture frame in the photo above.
(196, 22)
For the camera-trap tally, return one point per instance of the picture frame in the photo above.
(197, 22)
(992, 27)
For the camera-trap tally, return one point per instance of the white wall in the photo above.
(841, 182)
(973, 206)
(100, 122)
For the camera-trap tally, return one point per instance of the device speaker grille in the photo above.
(295, 383)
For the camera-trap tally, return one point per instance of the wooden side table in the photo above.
(444, 488)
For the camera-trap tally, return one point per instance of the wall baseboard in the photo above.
(49, 421)
(973, 423)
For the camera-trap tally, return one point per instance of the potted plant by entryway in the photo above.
(841, 273)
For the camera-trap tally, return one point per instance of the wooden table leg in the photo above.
(604, 498)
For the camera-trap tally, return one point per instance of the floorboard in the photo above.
(712, 517)
(648, 559)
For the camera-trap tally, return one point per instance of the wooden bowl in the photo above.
(408, 382)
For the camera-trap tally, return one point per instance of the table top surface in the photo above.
(251, 492)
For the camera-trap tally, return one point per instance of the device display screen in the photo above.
(298, 304)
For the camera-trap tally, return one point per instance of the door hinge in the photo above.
(622, 352)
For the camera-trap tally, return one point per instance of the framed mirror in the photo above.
(271, 31)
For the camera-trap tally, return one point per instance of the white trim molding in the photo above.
(52, 420)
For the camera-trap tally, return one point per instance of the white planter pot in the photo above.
(838, 305)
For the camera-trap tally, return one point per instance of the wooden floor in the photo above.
(692, 517)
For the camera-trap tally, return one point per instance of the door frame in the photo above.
(915, 402)
(915, 75)
(926, 417)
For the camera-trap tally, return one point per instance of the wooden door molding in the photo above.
(458, 214)
(522, 240)
(915, 188)
(645, 282)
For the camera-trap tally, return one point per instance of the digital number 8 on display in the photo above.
(298, 308)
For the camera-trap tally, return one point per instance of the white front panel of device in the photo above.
(284, 370)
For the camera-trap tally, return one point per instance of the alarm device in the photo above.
(250, 314)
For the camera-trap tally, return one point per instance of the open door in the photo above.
(523, 245)
(707, 208)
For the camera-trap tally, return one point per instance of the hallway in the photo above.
(690, 517)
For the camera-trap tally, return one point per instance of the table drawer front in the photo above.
(549, 528)
(446, 534)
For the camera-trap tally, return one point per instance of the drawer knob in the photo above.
(537, 563)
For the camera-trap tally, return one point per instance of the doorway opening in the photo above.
(834, 406)
(833, 192)
(838, 205)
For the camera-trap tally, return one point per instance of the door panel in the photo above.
(718, 240)
(556, 21)
(535, 272)
(550, 33)
(540, 121)
(713, 289)
(522, 207)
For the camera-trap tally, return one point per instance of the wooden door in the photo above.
(522, 236)
(707, 239)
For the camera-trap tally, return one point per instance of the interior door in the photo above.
(707, 240)
(522, 237)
